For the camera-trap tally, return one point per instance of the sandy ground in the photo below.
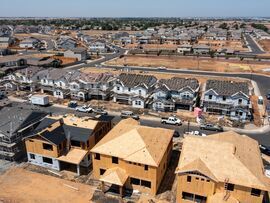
(101, 32)
(265, 44)
(217, 44)
(192, 63)
(200, 78)
(20, 185)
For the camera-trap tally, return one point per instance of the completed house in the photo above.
(15, 124)
(85, 86)
(28, 78)
(29, 43)
(132, 157)
(134, 89)
(56, 82)
(175, 93)
(201, 49)
(98, 47)
(79, 53)
(225, 167)
(227, 98)
(60, 142)
(184, 49)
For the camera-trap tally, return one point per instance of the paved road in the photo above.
(253, 45)
(106, 57)
(262, 138)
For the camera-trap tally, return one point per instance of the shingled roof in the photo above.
(176, 83)
(56, 129)
(132, 142)
(132, 80)
(227, 87)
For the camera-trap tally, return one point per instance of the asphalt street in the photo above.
(254, 47)
(262, 138)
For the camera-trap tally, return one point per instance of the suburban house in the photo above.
(12, 61)
(98, 47)
(66, 43)
(134, 89)
(28, 78)
(201, 49)
(85, 86)
(227, 98)
(225, 167)
(56, 82)
(15, 124)
(29, 43)
(63, 142)
(132, 157)
(79, 53)
(175, 93)
(184, 49)
(5, 41)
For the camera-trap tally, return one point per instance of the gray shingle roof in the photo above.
(227, 87)
(13, 119)
(176, 83)
(132, 80)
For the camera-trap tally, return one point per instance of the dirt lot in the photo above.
(200, 78)
(19, 185)
(101, 32)
(192, 63)
(217, 44)
(265, 44)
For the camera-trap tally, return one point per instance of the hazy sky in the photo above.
(134, 8)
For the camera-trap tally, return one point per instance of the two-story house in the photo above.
(15, 124)
(175, 93)
(134, 89)
(132, 157)
(56, 82)
(225, 167)
(227, 98)
(79, 53)
(201, 49)
(91, 86)
(61, 142)
(28, 78)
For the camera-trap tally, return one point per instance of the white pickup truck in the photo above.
(171, 120)
(84, 109)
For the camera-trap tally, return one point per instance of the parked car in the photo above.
(129, 114)
(84, 109)
(265, 149)
(211, 127)
(162, 68)
(72, 104)
(172, 120)
(100, 111)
